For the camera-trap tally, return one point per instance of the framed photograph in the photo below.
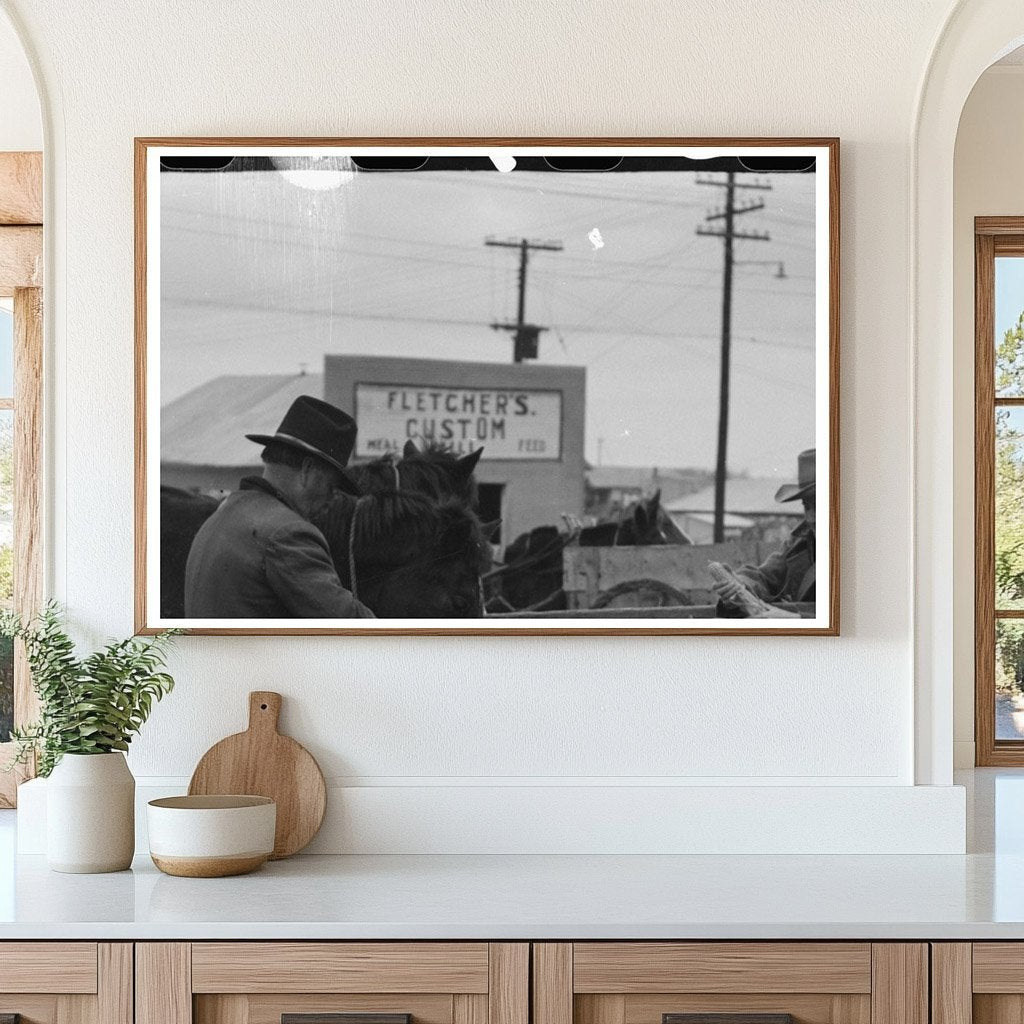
(500, 386)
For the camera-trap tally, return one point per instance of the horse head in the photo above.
(436, 470)
(413, 557)
(647, 522)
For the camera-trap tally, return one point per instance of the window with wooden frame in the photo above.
(21, 361)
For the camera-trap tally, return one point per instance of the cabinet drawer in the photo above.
(730, 983)
(332, 983)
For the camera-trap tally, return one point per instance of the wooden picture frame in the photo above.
(640, 621)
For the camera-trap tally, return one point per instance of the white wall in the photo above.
(435, 715)
(987, 181)
(21, 127)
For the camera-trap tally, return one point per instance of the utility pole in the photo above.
(525, 336)
(728, 234)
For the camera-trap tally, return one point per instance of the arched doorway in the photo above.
(976, 34)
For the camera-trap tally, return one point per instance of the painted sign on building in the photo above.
(507, 423)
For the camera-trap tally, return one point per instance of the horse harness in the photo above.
(360, 503)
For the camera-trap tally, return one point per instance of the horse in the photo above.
(181, 515)
(435, 470)
(406, 556)
(435, 550)
(532, 575)
(644, 522)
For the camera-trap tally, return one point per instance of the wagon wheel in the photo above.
(642, 593)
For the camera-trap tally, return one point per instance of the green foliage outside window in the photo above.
(1009, 510)
(1009, 657)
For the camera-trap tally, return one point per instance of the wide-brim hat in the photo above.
(320, 429)
(804, 487)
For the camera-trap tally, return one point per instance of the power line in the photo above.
(599, 262)
(539, 188)
(191, 300)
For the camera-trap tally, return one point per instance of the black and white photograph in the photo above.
(466, 388)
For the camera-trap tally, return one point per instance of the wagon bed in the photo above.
(588, 572)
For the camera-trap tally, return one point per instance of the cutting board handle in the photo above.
(264, 710)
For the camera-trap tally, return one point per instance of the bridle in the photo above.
(354, 583)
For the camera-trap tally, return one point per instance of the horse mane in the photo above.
(390, 528)
(394, 529)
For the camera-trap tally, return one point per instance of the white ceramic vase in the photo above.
(90, 814)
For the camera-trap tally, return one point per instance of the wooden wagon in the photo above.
(589, 572)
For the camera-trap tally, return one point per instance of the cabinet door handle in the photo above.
(337, 1018)
(727, 1018)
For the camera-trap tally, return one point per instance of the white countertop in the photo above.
(517, 897)
(977, 896)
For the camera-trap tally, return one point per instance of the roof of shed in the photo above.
(635, 477)
(207, 426)
(743, 496)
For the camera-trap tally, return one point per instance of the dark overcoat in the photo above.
(257, 558)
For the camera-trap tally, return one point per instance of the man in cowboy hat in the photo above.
(258, 556)
(786, 575)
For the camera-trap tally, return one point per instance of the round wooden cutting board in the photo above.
(262, 762)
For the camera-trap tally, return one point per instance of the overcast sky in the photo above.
(260, 275)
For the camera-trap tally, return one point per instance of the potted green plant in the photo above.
(90, 707)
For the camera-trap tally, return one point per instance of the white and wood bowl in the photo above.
(211, 836)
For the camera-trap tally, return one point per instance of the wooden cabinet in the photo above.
(494, 983)
(307, 982)
(752, 982)
(978, 983)
(66, 982)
